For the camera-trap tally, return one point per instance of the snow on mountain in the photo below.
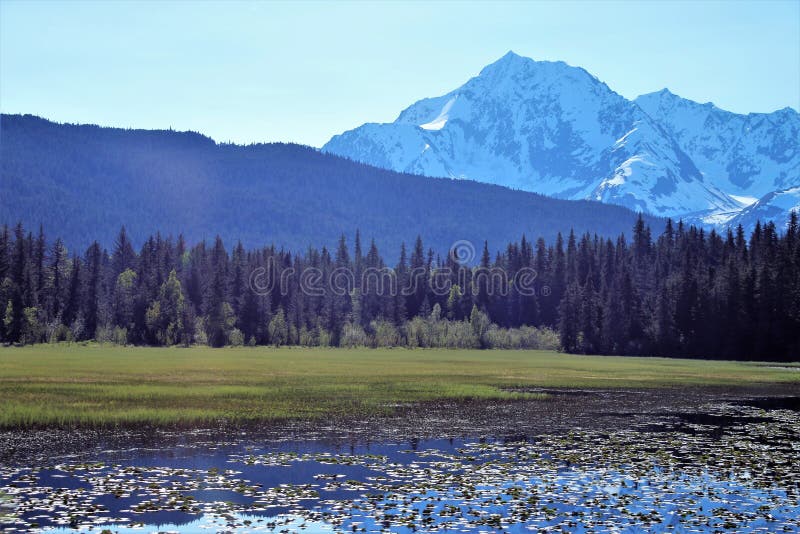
(651, 174)
(748, 155)
(773, 206)
(555, 129)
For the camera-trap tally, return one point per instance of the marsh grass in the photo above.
(99, 385)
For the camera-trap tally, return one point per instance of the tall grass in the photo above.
(96, 385)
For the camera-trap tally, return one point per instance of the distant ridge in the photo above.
(84, 181)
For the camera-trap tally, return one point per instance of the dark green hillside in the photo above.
(84, 182)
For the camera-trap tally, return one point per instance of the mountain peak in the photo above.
(510, 61)
(667, 98)
(787, 111)
(512, 65)
(555, 129)
(664, 94)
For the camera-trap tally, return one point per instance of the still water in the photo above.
(730, 468)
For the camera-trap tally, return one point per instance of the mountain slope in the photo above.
(774, 206)
(554, 129)
(82, 182)
(748, 156)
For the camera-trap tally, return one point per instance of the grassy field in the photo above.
(62, 385)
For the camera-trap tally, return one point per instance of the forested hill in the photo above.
(83, 182)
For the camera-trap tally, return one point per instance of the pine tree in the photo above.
(38, 268)
(92, 294)
(58, 274)
(123, 256)
(6, 283)
(73, 307)
(20, 288)
(568, 317)
(218, 309)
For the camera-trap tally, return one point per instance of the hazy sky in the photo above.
(303, 71)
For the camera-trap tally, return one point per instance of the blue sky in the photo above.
(303, 71)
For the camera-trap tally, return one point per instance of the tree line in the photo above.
(687, 293)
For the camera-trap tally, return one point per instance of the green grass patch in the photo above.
(96, 385)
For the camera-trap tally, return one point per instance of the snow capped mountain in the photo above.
(555, 129)
(749, 155)
(773, 207)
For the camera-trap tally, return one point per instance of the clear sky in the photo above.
(303, 71)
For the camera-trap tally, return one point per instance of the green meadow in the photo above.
(96, 385)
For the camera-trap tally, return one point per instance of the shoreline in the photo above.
(563, 411)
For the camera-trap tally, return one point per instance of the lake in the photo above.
(727, 466)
